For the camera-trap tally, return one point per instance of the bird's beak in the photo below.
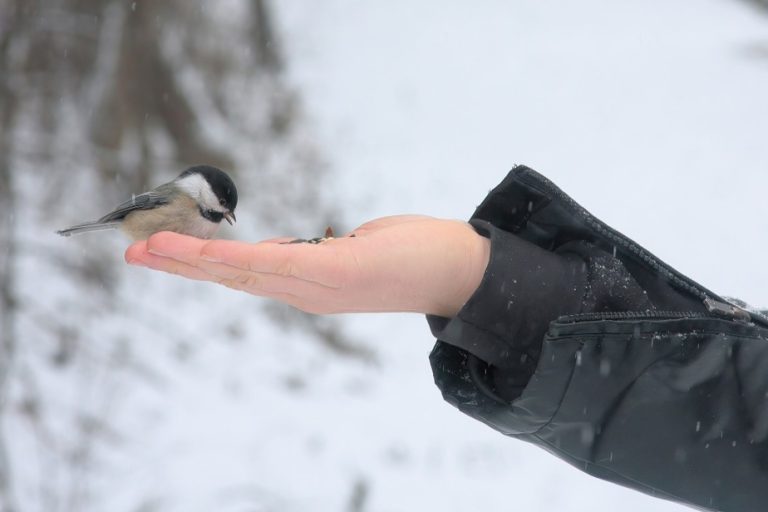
(230, 216)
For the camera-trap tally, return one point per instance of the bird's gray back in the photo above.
(160, 196)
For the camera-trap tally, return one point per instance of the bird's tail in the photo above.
(88, 226)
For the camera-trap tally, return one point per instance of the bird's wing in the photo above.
(145, 201)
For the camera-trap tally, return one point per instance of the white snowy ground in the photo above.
(652, 114)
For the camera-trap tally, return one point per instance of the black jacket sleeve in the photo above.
(582, 342)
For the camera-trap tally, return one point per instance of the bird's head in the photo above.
(213, 189)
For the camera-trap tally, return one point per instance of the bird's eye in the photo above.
(222, 202)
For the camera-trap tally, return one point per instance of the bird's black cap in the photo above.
(221, 184)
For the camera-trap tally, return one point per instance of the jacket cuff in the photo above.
(523, 289)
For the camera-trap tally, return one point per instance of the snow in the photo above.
(651, 114)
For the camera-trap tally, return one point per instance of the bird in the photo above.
(194, 203)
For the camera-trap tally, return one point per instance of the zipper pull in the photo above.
(727, 310)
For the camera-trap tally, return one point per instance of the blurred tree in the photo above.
(99, 99)
(7, 248)
(112, 60)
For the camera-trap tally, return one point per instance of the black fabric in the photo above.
(523, 289)
(645, 388)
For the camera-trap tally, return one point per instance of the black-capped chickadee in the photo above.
(193, 204)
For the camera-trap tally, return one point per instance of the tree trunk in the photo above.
(7, 258)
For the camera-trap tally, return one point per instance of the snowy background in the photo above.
(651, 114)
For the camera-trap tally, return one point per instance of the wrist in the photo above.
(472, 252)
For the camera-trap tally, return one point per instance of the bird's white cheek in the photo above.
(196, 187)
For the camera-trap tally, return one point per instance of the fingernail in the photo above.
(137, 263)
(154, 251)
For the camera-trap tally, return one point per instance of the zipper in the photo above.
(632, 315)
(715, 309)
(715, 305)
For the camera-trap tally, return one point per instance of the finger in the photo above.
(169, 265)
(192, 251)
(177, 246)
(302, 261)
(291, 290)
(134, 253)
(320, 264)
(295, 292)
(182, 256)
(264, 283)
(279, 240)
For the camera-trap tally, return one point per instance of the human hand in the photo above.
(401, 263)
